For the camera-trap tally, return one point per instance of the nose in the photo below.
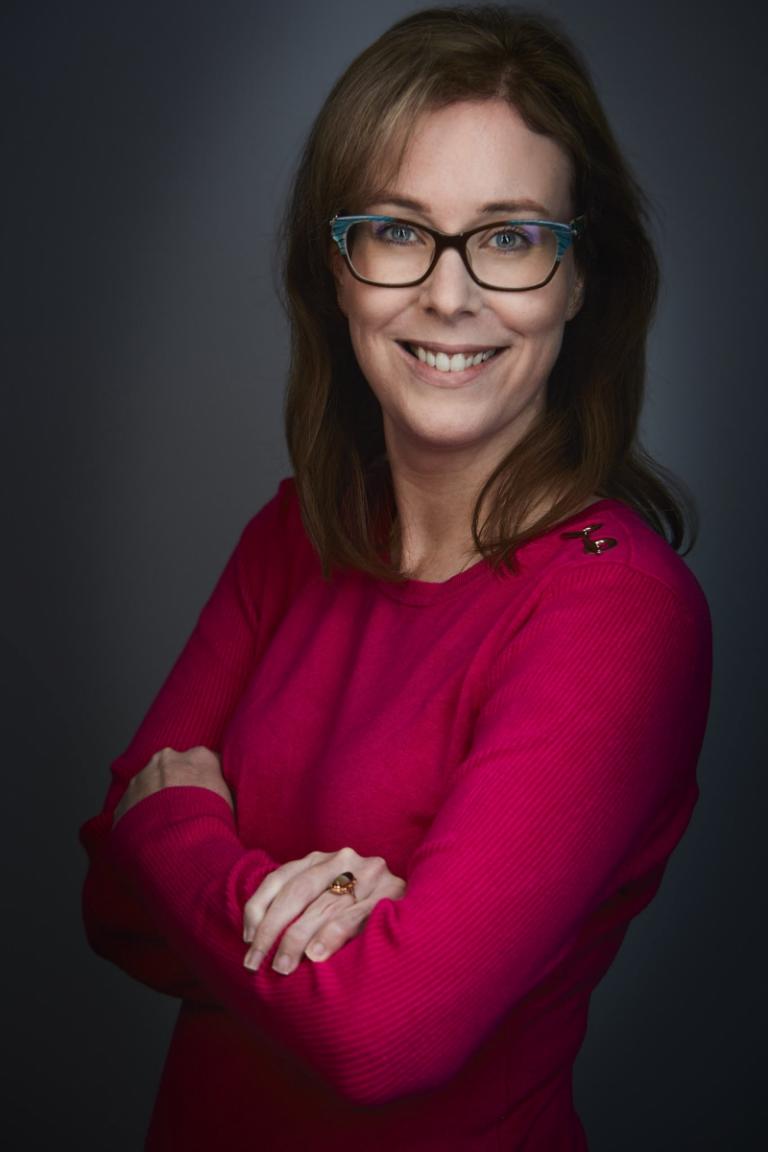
(449, 290)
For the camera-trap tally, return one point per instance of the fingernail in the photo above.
(249, 933)
(283, 964)
(253, 958)
(317, 951)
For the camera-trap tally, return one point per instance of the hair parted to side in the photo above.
(586, 441)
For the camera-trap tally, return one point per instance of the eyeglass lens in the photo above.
(505, 256)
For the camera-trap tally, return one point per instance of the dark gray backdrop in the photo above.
(149, 148)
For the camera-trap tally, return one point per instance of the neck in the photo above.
(435, 501)
(435, 496)
(436, 488)
(435, 525)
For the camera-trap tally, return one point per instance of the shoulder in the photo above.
(608, 590)
(607, 574)
(277, 520)
(273, 546)
(610, 544)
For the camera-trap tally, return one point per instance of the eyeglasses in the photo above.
(508, 256)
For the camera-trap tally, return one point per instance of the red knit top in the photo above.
(520, 748)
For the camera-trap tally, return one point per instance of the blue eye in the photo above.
(396, 233)
(512, 239)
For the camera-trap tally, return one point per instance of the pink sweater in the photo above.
(520, 748)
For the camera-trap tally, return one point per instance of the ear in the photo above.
(338, 269)
(576, 296)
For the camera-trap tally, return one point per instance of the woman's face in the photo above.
(466, 164)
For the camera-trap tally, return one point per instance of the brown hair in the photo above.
(586, 441)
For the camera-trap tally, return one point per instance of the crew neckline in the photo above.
(431, 591)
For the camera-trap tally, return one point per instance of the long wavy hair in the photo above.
(586, 440)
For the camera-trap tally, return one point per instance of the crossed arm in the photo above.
(190, 713)
(551, 811)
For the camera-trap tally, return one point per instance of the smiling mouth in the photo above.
(457, 362)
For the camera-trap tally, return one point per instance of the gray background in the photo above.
(148, 150)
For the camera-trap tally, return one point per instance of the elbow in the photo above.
(388, 1040)
(383, 1068)
(386, 1085)
(372, 1092)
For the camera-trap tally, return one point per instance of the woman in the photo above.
(434, 736)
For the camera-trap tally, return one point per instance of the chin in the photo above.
(451, 437)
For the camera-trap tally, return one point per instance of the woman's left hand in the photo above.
(295, 900)
(198, 767)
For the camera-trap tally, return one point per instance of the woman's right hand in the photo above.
(294, 900)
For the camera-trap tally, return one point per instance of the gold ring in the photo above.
(343, 884)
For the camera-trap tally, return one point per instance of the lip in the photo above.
(436, 378)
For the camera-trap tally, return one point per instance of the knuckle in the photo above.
(264, 936)
(335, 932)
(252, 910)
(201, 755)
(293, 938)
(266, 921)
(303, 889)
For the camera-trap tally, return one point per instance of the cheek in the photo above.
(369, 311)
(535, 319)
(540, 313)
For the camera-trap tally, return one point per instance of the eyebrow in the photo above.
(495, 206)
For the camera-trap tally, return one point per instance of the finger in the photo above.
(297, 900)
(297, 936)
(341, 925)
(293, 939)
(270, 887)
(336, 931)
(321, 921)
(339, 922)
(372, 877)
(299, 887)
(327, 924)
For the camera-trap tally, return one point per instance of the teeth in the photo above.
(456, 363)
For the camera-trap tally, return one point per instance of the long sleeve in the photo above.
(585, 746)
(192, 708)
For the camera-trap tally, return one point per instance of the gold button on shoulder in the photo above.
(595, 546)
(580, 532)
(599, 546)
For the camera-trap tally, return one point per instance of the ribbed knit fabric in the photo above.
(520, 748)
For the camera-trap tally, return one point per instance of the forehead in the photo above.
(469, 154)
